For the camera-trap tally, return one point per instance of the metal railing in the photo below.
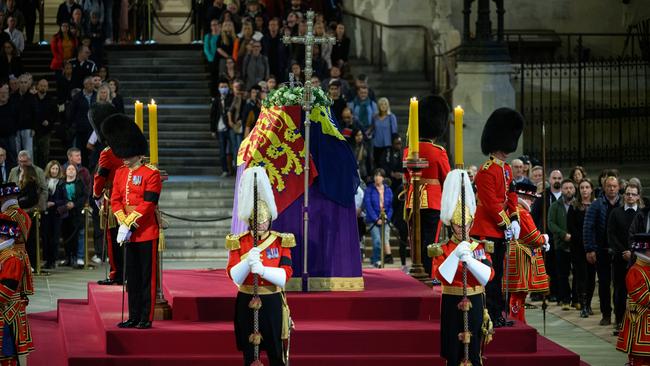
(590, 89)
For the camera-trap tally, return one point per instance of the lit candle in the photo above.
(413, 132)
(139, 114)
(153, 133)
(458, 136)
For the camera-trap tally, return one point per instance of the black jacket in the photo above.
(46, 110)
(9, 119)
(618, 228)
(26, 108)
(63, 15)
(78, 117)
(640, 223)
(218, 110)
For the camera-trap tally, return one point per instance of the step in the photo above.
(215, 244)
(196, 234)
(197, 254)
(154, 76)
(198, 151)
(158, 69)
(189, 160)
(192, 59)
(168, 91)
(195, 84)
(196, 204)
(182, 170)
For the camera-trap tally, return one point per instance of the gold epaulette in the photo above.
(288, 239)
(151, 166)
(439, 147)
(107, 148)
(487, 164)
(488, 245)
(232, 240)
(435, 250)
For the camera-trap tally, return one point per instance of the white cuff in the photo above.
(275, 275)
(239, 272)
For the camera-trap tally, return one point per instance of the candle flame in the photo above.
(138, 102)
(414, 99)
(153, 101)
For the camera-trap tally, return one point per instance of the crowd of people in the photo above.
(33, 114)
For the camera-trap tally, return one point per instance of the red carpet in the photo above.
(395, 319)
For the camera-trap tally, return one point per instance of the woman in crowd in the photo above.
(63, 47)
(325, 48)
(341, 49)
(116, 97)
(583, 272)
(74, 190)
(245, 39)
(51, 218)
(230, 73)
(210, 51)
(360, 153)
(382, 130)
(29, 189)
(226, 45)
(378, 201)
(10, 61)
(103, 73)
(577, 174)
(104, 94)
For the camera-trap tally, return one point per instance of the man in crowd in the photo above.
(335, 75)
(537, 177)
(553, 193)
(8, 125)
(338, 102)
(26, 106)
(518, 172)
(219, 125)
(79, 108)
(255, 66)
(557, 226)
(618, 230)
(275, 50)
(46, 114)
(597, 243)
(64, 13)
(15, 35)
(348, 124)
(363, 108)
(82, 67)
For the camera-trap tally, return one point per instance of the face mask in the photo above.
(224, 91)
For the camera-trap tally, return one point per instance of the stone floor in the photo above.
(593, 342)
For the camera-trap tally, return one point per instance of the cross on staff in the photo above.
(309, 40)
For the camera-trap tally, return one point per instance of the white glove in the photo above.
(516, 229)
(123, 234)
(253, 255)
(463, 249)
(465, 257)
(99, 202)
(546, 246)
(257, 268)
(507, 233)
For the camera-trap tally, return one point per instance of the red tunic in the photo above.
(634, 339)
(13, 305)
(106, 168)
(134, 200)
(496, 204)
(456, 287)
(19, 215)
(433, 177)
(526, 270)
(278, 254)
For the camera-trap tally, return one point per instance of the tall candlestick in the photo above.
(458, 136)
(139, 114)
(153, 132)
(413, 131)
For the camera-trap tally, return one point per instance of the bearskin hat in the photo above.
(433, 114)
(502, 131)
(124, 136)
(99, 112)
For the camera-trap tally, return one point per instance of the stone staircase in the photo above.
(177, 78)
(197, 198)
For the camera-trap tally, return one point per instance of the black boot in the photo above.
(388, 259)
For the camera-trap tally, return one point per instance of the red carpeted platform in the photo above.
(395, 319)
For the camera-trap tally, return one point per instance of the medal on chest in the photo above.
(136, 180)
(273, 253)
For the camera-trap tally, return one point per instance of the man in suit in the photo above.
(4, 166)
(79, 108)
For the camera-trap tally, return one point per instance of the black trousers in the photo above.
(563, 261)
(604, 271)
(551, 269)
(493, 290)
(115, 255)
(141, 279)
(451, 323)
(428, 231)
(619, 270)
(270, 326)
(51, 233)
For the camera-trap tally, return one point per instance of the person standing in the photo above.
(618, 229)
(219, 126)
(433, 122)
(46, 114)
(557, 225)
(7, 130)
(26, 105)
(269, 258)
(596, 241)
(526, 271)
(584, 273)
(471, 253)
(382, 130)
(633, 337)
(81, 104)
(496, 211)
(378, 202)
(102, 186)
(134, 201)
(51, 219)
(9, 192)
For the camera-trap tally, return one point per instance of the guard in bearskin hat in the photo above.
(496, 211)
(433, 121)
(102, 186)
(266, 254)
(526, 272)
(634, 338)
(134, 201)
